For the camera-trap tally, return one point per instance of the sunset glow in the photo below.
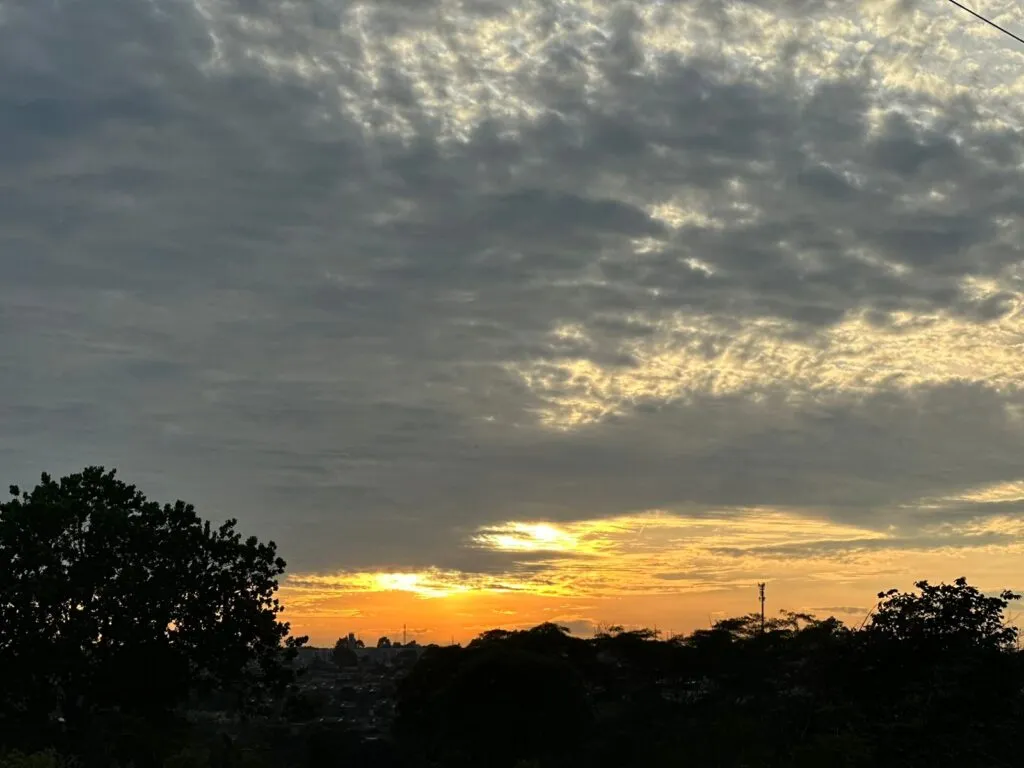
(652, 569)
(527, 537)
(491, 313)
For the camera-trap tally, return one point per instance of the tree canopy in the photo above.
(953, 616)
(112, 603)
(933, 679)
(343, 655)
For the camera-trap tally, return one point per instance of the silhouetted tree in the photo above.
(343, 656)
(945, 616)
(509, 695)
(113, 606)
(934, 680)
(352, 641)
(491, 635)
(384, 642)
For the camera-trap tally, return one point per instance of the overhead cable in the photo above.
(991, 23)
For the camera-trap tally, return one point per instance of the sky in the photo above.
(494, 313)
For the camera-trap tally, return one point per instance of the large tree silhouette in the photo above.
(953, 616)
(114, 605)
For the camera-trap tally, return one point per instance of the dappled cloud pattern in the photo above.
(447, 296)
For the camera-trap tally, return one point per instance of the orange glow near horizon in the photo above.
(653, 569)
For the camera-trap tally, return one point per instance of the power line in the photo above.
(987, 21)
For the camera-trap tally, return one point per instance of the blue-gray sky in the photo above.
(380, 278)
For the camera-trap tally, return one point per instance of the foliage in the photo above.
(115, 609)
(342, 655)
(493, 705)
(944, 617)
(45, 759)
(222, 752)
(802, 691)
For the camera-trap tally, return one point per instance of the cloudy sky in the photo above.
(497, 312)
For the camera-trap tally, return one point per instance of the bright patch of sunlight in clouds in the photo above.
(1006, 493)
(994, 494)
(1002, 525)
(855, 357)
(527, 537)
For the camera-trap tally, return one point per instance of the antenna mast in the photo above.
(760, 595)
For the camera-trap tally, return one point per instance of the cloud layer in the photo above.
(381, 278)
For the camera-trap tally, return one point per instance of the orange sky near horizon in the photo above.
(653, 570)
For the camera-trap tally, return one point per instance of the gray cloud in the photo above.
(258, 260)
(848, 609)
(834, 548)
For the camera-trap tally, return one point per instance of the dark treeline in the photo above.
(934, 678)
(125, 624)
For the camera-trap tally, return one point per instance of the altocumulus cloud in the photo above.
(379, 278)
